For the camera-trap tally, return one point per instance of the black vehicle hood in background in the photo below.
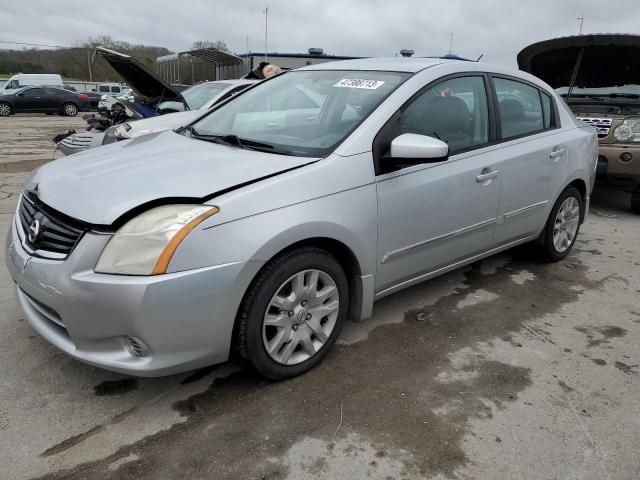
(609, 60)
(139, 77)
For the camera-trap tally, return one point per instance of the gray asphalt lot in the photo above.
(508, 369)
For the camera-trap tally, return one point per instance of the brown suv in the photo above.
(599, 77)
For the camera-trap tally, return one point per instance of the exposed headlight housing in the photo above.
(115, 133)
(629, 131)
(146, 243)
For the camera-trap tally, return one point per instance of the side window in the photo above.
(103, 88)
(546, 109)
(115, 89)
(53, 91)
(454, 111)
(34, 92)
(520, 108)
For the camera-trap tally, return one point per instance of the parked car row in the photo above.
(43, 100)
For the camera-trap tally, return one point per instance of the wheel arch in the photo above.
(347, 259)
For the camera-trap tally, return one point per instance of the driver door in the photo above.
(433, 215)
(30, 100)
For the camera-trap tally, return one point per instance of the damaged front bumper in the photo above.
(77, 142)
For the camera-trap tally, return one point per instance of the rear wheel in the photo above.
(5, 109)
(563, 225)
(635, 201)
(292, 313)
(70, 109)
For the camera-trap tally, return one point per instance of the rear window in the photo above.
(520, 108)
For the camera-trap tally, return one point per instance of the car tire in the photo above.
(635, 201)
(117, 109)
(69, 109)
(563, 225)
(5, 109)
(292, 313)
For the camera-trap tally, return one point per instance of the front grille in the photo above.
(602, 125)
(45, 234)
(77, 141)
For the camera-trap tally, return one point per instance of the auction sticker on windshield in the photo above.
(359, 83)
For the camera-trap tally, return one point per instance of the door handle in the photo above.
(483, 177)
(557, 153)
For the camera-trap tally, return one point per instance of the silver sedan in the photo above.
(258, 230)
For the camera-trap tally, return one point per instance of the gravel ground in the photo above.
(511, 368)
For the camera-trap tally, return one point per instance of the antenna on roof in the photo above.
(580, 23)
(451, 44)
(481, 55)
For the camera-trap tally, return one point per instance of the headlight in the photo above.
(629, 131)
(103, 96)
(145, 244)
(115, 133)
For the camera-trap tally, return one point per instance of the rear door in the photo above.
(534, 156)
(431, 216)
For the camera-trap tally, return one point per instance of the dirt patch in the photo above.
(71, 442)
(115, 387)
(21, 166)
(411, 399)
(624, 368)
(598, 336)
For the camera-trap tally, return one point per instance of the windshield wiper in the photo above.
(235, 141)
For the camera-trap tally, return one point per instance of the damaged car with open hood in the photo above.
(599, 77)
(257, 230)
(152, 105)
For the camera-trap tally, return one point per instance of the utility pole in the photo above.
(89, 63)
(580, 23)
(266, 25)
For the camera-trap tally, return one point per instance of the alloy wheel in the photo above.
(5, 110)
(300, 317)
(566, 224)
(70, 109)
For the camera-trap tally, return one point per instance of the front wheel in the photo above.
(70, 109)
(292, 313)
(635, 201)
(563, 225)
(5, 109)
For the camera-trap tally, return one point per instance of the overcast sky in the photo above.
(496, 28)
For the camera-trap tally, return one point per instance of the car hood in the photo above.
(100, 185)
(168, 121)
(139, 77)
(609, 60)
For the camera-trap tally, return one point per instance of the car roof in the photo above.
(393, 64)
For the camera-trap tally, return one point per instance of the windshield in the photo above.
(302, 113)
(198, 95)
(126, 92)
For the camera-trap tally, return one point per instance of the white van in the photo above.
(28, 79)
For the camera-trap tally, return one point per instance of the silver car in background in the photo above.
(199, 99)
(262, 227)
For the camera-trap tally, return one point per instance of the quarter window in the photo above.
(546, 109)
(520, 108)
(454, 111)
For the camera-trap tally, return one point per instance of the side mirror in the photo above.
(418, 149)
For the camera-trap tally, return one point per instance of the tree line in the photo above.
(78, 61)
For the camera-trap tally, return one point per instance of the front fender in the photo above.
(349, 217)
